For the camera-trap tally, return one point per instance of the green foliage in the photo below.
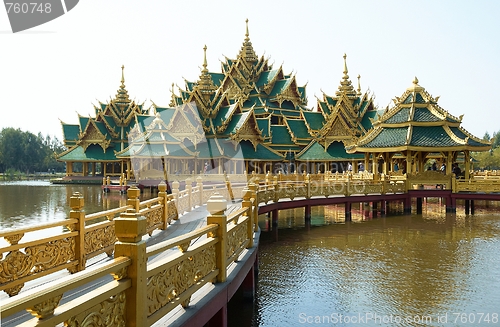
(27, 152)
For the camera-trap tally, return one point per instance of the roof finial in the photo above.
(122, 94)
(359, 84)
(247, 52)
(247, 35)
(345, 64)
(415, 80)
(205, 58)
(345, 83)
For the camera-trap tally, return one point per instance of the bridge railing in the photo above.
(86, 236)
(148, 282)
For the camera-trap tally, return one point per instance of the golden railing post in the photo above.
(247, 203)
(162, 193)
(175, 193)
(189, 188)
(199, 183)
(129, 229)
(217, 206)
(276, 189)
(255, 208)
(76, 202)
(348, 185)
(133, 194)
(307, 181)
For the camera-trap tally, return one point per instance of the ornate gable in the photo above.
(92, 135)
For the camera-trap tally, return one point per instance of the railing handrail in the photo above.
(23, 230)
(106, 213)
(33, 296)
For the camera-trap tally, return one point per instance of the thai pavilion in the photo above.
(249, 117)
(415, 131)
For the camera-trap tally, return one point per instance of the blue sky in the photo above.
(58, 69)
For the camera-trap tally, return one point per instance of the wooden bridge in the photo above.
(144, 283)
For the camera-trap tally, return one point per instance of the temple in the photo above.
(253, 117)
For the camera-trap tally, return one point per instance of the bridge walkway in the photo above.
(186, 223)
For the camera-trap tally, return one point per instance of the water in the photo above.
(420, 270)
(435, 269)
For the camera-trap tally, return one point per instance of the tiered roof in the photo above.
(418, 123)
(97, 138)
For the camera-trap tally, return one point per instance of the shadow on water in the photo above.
(428, 266)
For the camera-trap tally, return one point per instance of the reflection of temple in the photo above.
(249, 117)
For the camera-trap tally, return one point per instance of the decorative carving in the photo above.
(120, 274)
(45, 308)
(51, 254)
(235, 238)
(109, 313)
(184, 246)
(170, 283)
(154, 218)
(14, 239)
(36, 258)
(100, 238)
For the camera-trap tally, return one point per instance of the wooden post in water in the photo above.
(274, 222)
(419, 206)
(467, 206)
(347, 211)
(472, 206)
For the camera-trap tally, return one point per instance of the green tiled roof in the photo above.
(94, 153)
(265, 77)
(461, 134)
(263, 124)
(261, 153)
(236, 122)
(335, 152)
(217, 78)
(298, 128)
(315, 120)
(71, 131)
(424, 114)
(431, 136)
(400, 116)
(279, 86)
(280, 135)
(365, 122)
(388, 137)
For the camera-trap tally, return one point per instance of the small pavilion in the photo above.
(415, 131)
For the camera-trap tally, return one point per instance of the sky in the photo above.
(57, 71)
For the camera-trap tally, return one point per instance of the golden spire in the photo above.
(205, 83)
(205, 59)
(345, 83)
(247, 52)
(122, 94)
(359, 84)
(415, 87)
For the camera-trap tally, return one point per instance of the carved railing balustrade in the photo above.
(148, 282)
(85, 236)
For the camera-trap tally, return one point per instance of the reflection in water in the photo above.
(408, 265)
(28, 203)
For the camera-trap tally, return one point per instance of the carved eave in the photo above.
(181, 127)
(235, 108)
(249, 131)
(111, 129)
(290, 93)
(336, 130)
(92, 135)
